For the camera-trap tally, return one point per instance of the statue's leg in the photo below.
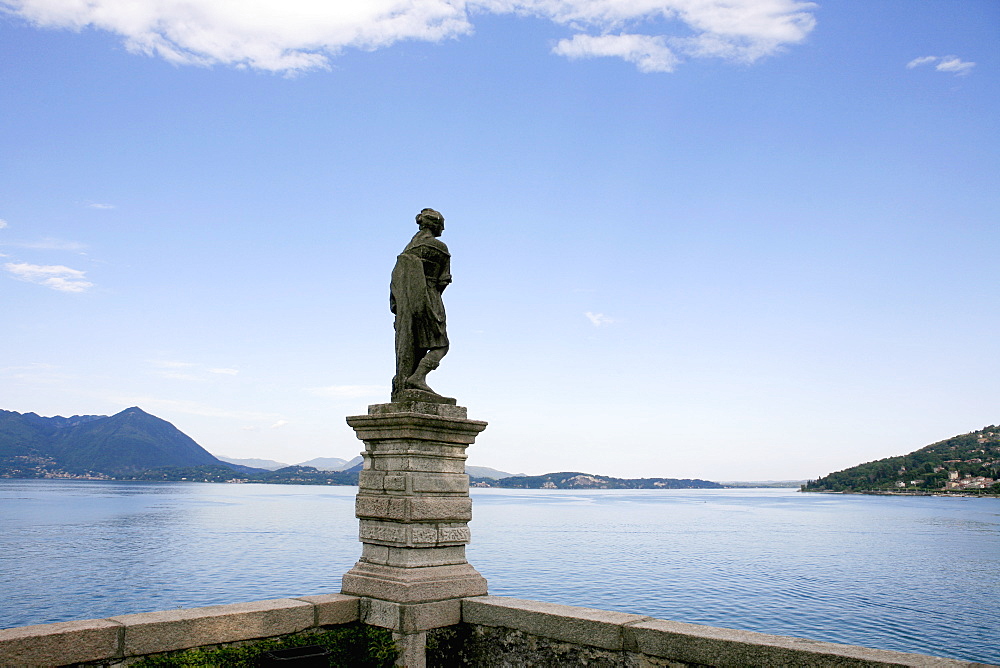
(406, 356)
(428, 363)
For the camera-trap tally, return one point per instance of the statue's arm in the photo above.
(445, 276)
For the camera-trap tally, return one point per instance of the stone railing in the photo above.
(492, 631)
(114, 640)
(498, 631)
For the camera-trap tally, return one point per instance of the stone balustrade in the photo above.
(491, 630)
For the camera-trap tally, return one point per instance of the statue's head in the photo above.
(429, 219)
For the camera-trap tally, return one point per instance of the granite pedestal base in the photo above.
(413, 506)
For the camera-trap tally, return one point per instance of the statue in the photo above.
(422, 272)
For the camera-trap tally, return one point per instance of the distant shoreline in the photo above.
(886, 492)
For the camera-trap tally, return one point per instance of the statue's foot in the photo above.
(416, 383)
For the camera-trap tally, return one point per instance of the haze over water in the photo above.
(918, 574)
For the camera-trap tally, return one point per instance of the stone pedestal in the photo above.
(414, 507)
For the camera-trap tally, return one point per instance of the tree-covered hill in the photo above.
(574, 480)
(290, 475)
(127, 442)
(956, 463)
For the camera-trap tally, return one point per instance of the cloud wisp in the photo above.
(294, 36)
(950, 64)
(176, 370)
(599, 319)
(48, 243)
(55, 276)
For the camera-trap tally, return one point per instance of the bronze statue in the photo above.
(422, 272)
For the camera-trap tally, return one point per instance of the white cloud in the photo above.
(54, 276)
(952, 64)
(349, 391)
(955, 65)
(40, 373)
(177, 370)
(48, 243)
(923, 60)
(649, 54)
(293, 36)
(98, 205)
(279, 424)
(3, 223)
(599, 319)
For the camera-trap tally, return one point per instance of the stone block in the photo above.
(152, 632)
(427, 408)
(413, 585)
(383, 614)
(395, 483)
(378, 481)
(412, 649)
(400, 534)
(413, 558)
(583, 626)
(376, 554)
(449, 483)
(453, 534)
(436, 509)
(425, 616)
(423, 535)
(415, 426)
(397, 463)
(384, 533)
(60, 643)
(371, 480)
(410, 617)
(332, 609)
(691, 643)
(381, 507)
(413, 509)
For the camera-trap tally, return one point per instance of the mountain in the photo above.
(127, 442)
(965, 462)
(328, 463)
(574, 480)
(487, 472)
(265, 464)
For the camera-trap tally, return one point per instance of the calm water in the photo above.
(914, 574)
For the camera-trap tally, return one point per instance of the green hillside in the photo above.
(957, 464)
(574, 480)
(130, 441)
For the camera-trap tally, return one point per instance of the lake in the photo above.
(919, 574)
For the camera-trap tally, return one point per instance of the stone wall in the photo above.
(116, 639)
(499, 632)
(494, 632)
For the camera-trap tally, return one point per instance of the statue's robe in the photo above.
(421, 273)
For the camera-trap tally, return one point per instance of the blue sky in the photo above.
(753, 239)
